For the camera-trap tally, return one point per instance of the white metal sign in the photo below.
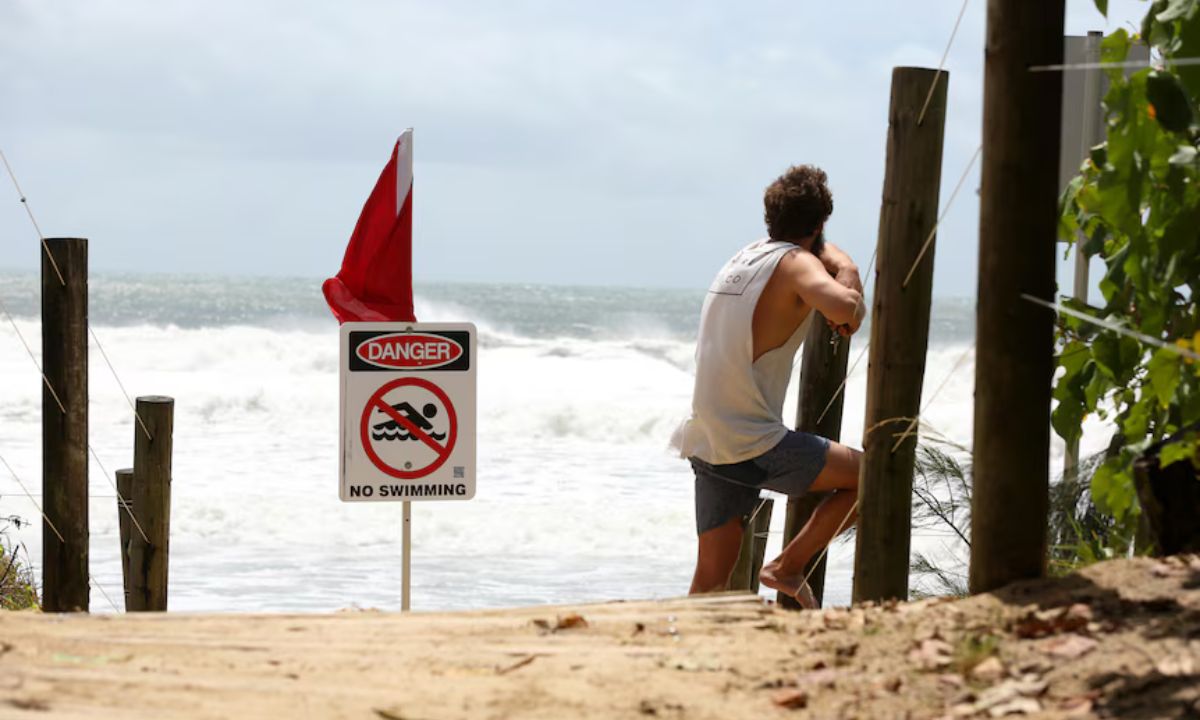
(407, 411)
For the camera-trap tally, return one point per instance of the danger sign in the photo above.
(408, 411)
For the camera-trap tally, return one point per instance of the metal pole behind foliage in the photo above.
(1091, 113)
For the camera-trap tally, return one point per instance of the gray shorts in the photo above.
(724, 492)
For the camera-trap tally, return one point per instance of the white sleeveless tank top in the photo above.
(737, 405)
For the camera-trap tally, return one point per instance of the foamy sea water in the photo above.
(578, 497)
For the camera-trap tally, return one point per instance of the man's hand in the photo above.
(845, 272)
(848, 277)
(841, 267)
(848, 329)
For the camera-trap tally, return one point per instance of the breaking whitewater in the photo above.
(578, 498)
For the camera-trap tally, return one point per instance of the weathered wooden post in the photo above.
(822, 378)
(148, 556)
(65, 425)
(899, 333)
(754, 547)
(124, 511)
(1014, 360)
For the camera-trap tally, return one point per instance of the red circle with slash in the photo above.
(442, 452)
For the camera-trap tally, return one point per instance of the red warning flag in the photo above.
(375, 282)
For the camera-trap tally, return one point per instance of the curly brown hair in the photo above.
(797, 203)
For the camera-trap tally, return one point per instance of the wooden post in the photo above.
(148, 556)
(124, 508)
(760, 531)
(822, 372)
(1014, 360)
(753, 550)
(899, 333)
(65, 425)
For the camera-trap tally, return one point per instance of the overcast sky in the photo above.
(615, 143)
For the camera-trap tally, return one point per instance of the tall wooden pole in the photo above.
(125, 524)
(899, 332)
(822, 372)
(65, 425)
(149, 555)
(1015, 338)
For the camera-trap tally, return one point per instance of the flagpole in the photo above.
(406, 562)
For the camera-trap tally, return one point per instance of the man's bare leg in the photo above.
(716, 556)
(839, 478)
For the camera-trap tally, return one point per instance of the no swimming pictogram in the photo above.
(409, 428)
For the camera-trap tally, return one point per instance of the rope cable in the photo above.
(942, 64)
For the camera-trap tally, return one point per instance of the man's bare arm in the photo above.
(810, 279)
(841, 267)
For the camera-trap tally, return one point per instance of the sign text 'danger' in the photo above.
(409, 350)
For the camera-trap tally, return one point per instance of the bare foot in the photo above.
(791, 585)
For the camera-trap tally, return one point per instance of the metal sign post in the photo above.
(406, 562)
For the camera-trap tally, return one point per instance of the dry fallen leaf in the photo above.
(1035, 666)
(1053, 621)
(516, 665)
(688, 664)
(1007, 694)
(1016, 706)
(1069, 647)
(1030, 685)
(1079, 613)
(988, 671)
(821, 678)
(570, 622)
(1077, 707)
(652, 707)
(1162, 569)
(1176, 665)
(951, 680)
(997, 695)
(931, 654)
(791, 699)
(928, 632)
(835, 619)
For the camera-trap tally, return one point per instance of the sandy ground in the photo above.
(1121, 639)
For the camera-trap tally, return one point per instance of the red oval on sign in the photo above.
(409, 350)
